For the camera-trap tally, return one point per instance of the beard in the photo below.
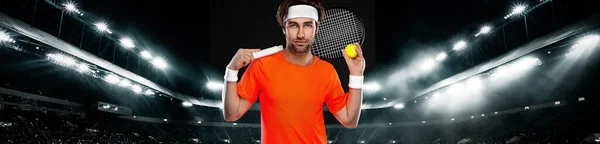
(301, 49)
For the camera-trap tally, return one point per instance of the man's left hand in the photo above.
(357, 64)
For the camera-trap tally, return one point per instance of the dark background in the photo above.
(399, 33)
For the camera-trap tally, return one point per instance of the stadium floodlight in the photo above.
(187, 104)
(372, 86)
(557, 102)
(136, 89)
(199, 122)
(588, 41)
(126, 42)
(164, 119)
(484, 30)
(441, 56)
(146, 54)
(581, 99)
(149, 92)
(428, 64)
(111, 78)
(482, 115)
(459, 45)
(83, 67)
(452, 119)
(101, 27)
(62, 59)
(5, 37)
(71, 7)
(214, 85)
(159, 63)
(399, 106)
(362, 141)
(495, 112)
(393, 141)
(436, 94)
(329, 141)
(517, 9)
(125, 83)
(423, 121)
(472, 116)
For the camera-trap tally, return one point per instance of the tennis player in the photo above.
(293, 84)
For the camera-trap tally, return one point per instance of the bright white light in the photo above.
(390, 123)
(393, 141)
(423, 122)
(597, 140)
(372, 86)
(83, 67)
(557, 102)
(234, 123)
(482, 115)
(428, 64)
(159, 63)
(384, 98)
(474, 83)
(588, 41)
(149, 92)
(146, 54)
(472, 116)
(526, 62)
(136, 89)
(164, 119)
(199, 121)
(125, 83)
(441, 56)
(581, 99)
(456, 88)
(101, 26)
(111, 78)
(187, 104)
(527, 107)
(127, 42)
(362, 141)
(399, 106)
(329, 141)
(459, 45)
(71, 7)
(518, 9)
(436, 94)
(495, 112)
(5, 37)
(452, 119)
(214, 85)
(62, 59)
(485, 29)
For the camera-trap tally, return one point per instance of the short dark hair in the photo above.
(283, 9)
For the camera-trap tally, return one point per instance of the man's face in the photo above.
(300, 34)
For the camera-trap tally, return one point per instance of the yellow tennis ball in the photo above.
(351, 50)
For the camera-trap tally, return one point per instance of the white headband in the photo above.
(305, 11)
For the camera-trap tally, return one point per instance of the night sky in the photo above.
(397, 34)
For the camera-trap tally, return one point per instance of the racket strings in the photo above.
(340, 28)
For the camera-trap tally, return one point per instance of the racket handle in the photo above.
(267, 51)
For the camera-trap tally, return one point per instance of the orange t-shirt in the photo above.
(292, 98)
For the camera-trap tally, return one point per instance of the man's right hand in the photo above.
(242, 58)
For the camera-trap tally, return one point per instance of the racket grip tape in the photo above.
(267, 51)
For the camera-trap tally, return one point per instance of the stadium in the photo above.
(515, 71)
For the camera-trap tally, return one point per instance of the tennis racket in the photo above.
(339, 28)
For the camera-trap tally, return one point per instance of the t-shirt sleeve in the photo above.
(250, 85)
(336, 98)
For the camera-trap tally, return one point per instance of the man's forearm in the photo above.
(231, 101)
(353, 104)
